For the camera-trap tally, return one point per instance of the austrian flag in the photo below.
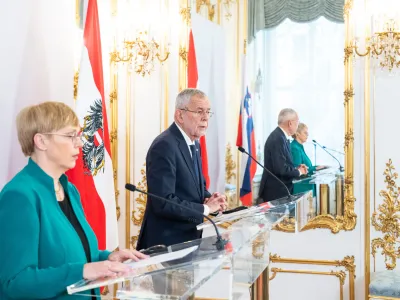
(93, 173)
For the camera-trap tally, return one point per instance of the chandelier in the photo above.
(142, 53)
(378, 32)
(383, 45)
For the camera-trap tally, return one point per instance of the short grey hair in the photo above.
(185, 95)
(285, 115)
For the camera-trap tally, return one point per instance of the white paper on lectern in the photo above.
(162, 258)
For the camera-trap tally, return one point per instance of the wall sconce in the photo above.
(382, 41)
(142, 53)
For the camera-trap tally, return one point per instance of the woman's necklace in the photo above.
(59, 194)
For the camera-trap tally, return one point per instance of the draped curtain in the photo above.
(264, 14)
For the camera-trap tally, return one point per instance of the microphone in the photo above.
(241, 149)
(220, 243)
(324, 148)
(333, 150)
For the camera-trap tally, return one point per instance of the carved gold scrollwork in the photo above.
(349, 137)
(76, 79)
(348, 94)
(387, 219)
(210, 8)
(183, 54)
(230, 165)
(348, 51)
(140, 205)
(227, 5)
(185, 13)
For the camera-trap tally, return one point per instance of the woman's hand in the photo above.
(95, 270)
(125, 254)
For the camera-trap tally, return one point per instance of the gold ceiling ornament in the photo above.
(76, 80)
(210, 8)
(348, 262)
(230, 165)
(387, 219)
(142, 53)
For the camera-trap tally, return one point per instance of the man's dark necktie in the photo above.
(195, 162)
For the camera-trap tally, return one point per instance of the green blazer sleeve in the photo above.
(19, 273)
(296, 155)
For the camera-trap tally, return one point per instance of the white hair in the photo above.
(285, 115)
(183, 98)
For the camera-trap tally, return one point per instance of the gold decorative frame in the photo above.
(349, 219)
(347, 263)
(339, 274)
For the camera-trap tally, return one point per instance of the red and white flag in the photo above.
(193, 78)
(93, 173)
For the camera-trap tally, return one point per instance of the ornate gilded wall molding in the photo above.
(139, 206)
(387, 219)
(210, 8)
(113, 96)
(76, 79)
(230, 165)
(347, 262)
(341, 275)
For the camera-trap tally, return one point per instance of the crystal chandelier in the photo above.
(142, 53)
(383, 45)
(379, 33)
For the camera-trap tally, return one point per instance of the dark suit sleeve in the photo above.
(161, 180)
(279, 165)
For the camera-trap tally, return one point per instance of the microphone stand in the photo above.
(220, 243)
(341, 169)
(241, 149)
(315, 154)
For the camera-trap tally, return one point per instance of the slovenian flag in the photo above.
(246, 139)
(93, 173)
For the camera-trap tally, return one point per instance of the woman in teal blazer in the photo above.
(300, 157)
(47, 244)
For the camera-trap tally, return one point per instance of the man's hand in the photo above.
(217, 202)
(303, 169)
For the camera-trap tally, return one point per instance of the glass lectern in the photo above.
(181, 271)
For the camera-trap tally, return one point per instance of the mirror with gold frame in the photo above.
(316, 94)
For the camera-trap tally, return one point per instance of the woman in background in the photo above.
(47, 244)
(300, 157)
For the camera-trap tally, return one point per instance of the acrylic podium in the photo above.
(180, 271)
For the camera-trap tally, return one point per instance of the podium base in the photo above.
(260, 288)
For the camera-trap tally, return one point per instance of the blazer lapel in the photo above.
(183, 147)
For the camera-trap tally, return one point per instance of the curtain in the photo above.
(303, 70)
(264, 14)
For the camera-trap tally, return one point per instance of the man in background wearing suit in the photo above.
(173, 169)
(278, 158)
